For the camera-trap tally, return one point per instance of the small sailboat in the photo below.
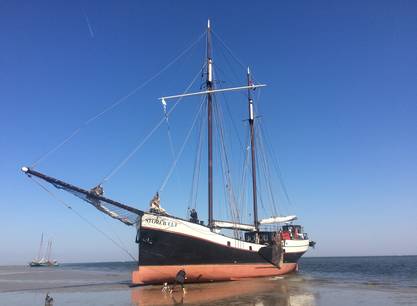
(218, 250)
(44, 261)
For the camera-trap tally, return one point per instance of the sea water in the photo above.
(385, 280)
(392, 271)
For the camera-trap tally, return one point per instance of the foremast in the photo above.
(252, 145)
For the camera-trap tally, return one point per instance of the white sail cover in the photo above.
(280, 219)
(231, 225)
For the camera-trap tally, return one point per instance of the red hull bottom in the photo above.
(207, 273)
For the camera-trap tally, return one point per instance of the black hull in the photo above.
(159, 248)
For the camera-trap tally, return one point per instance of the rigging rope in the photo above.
(230, 50)
(269, 149)
(135, 149)
(244, 181)
(170, 140)
(266, 172)
(229, 112)
(117, 102)
(225, 164)
(232, 54)
(276, 163)
(181, 149)
(83, 218)
(197, 164)
(164, 105)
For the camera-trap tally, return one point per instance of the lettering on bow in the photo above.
(161, 221)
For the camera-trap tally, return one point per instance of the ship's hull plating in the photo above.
(168, 244)
(208, 272)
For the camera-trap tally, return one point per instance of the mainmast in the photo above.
(210, 91)
(209, 85)
(252, 145)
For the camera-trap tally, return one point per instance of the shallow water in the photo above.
(395, 271)
(320, 281)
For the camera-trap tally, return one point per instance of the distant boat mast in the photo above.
(40, 248)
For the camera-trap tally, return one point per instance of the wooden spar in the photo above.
(212, 91)
(89, 194)
(209, 84)
(252, 145)
(233, 225)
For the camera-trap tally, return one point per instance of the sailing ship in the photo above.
(44, 261)
(220, 250)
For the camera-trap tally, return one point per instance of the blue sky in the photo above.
(340, 109)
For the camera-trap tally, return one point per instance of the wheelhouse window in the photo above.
(293, 232)
(264, 237)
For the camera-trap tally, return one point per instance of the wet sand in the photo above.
(28, 286)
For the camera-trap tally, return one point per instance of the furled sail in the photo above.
(280, 219)
(232, 225)
(124, 213)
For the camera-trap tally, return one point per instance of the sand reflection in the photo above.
(265, 291)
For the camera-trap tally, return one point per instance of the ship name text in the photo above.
(161, 221)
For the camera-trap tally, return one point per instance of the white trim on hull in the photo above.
(182, 227)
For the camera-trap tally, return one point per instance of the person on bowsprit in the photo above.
(180, 279)
(155, 205)
(97, 191)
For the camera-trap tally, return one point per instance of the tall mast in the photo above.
(40, 247)
(252, 145)
(48, 250)
(209, 85)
